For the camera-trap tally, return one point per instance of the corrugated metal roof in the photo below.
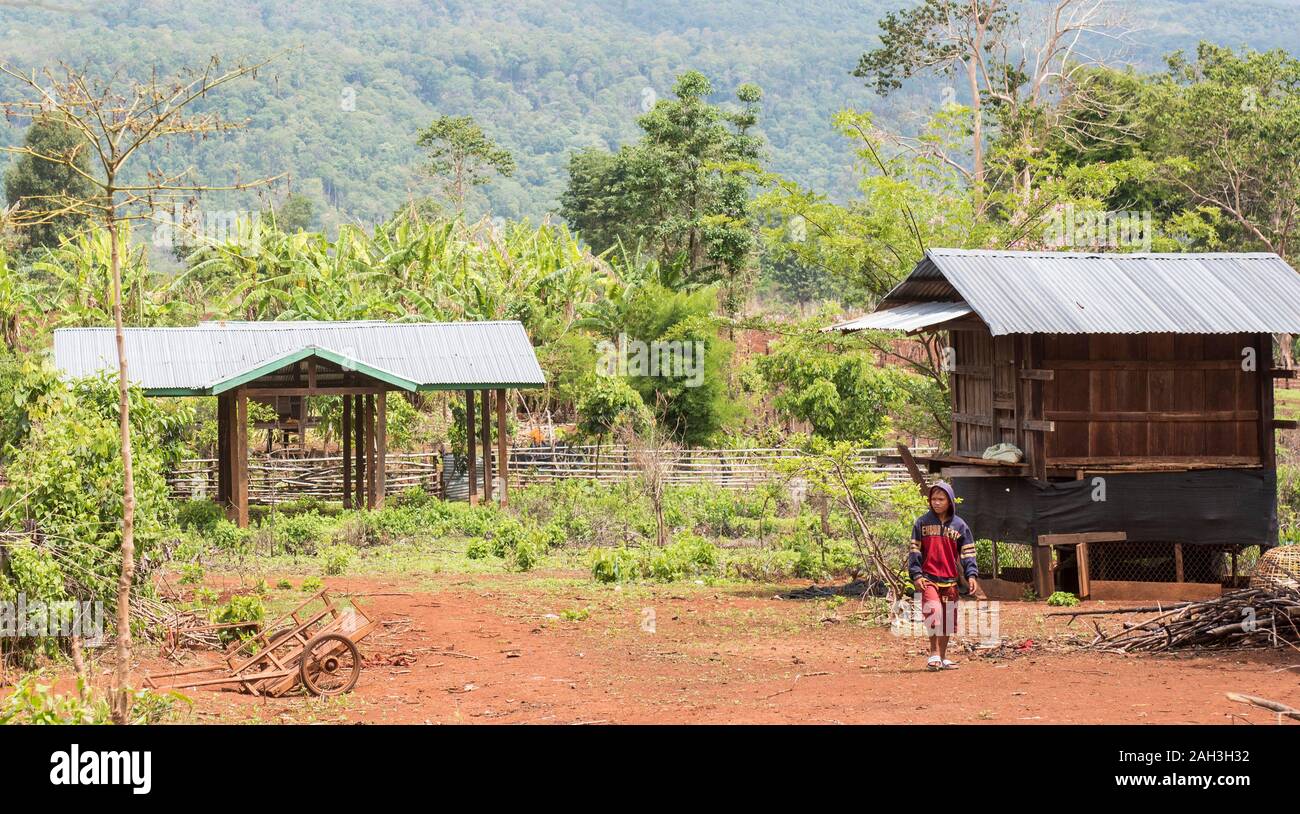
(435, 355)
(1074, 292)
(909, 317)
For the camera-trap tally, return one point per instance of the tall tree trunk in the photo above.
(121, 706)
(977, 137)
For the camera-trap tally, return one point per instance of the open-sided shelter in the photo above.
(1139, 388)
(281, 363)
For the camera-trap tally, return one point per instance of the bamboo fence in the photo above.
(273, 480)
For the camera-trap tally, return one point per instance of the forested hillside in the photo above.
(339, 111)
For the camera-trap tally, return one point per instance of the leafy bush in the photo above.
(527, 553)
(335, 559)
(67, 480)
(311, 585)
(230, 538)
(479, 549)
(1062, 599)
(506, 536)
(191, 574)
(240, 608)
(302, 533)
(33, 703)
(765, 565)
(613, 564)
(687, 556)
(199, 515)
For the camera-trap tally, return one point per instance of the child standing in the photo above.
(942, 549)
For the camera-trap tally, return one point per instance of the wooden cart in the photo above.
(315, 644)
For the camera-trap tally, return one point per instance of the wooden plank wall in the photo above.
(1124, 397)
(972, 391)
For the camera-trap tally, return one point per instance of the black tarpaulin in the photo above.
(1211, 507)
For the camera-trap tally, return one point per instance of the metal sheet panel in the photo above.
(910, 317)
(1074, 292)
(445, 354)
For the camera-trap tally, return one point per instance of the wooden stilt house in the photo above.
(1139, 390)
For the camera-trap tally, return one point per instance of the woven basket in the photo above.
(1277, 568)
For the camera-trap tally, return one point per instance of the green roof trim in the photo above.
(272, 365)
(152, 392)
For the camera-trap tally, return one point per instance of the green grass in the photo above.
(1287, 403)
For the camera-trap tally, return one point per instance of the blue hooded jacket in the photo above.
(941, 551)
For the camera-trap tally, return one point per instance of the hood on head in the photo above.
(947, 490)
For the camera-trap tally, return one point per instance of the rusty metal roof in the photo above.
(1079, 292)
(203, 359)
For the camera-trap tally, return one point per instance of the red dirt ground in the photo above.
(489, 648)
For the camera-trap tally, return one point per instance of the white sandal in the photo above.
(949, 665)
(934, 663)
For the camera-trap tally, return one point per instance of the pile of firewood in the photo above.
(1255, 617)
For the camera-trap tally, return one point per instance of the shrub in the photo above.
(613, 564)
(66, 479)
(284, 585)
(230, 538)
(506, 536)
(302, 533)
(239, 609)
(191, 574)
(1062, 598)
(479, 549)
(336, 559)
(311, 585)
(199, 514)
(34, 703)
(527, 553)
(771, 566)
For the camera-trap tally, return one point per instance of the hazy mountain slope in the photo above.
(545, 78)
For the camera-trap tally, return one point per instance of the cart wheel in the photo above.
(331, 665)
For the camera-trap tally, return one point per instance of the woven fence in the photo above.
(273, 480)
(729, 468)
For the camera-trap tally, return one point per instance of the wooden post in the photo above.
(381, 446)
(347, 452)
(1263, 366)
(1036, 442)
(469, 444)
(223, 450)
(359, 451)
(1178, 563)
(240, 460)
(1044, 582)
(370, 451)
(502, 452)
(1085, 579)
(487, 445)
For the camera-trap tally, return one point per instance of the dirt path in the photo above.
(495, 648)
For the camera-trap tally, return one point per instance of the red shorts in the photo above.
(939, 609)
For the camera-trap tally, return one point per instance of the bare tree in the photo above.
(1011, 63)
(119, 119)
(654, 455)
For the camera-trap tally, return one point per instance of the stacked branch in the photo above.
(1255, 617)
